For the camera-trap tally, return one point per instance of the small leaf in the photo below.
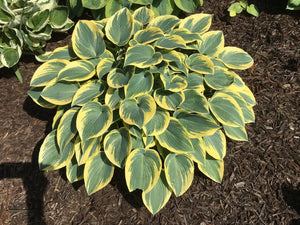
(221, 78)
(253, 10)
(74, 172)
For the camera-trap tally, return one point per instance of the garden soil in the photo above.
(261, 184)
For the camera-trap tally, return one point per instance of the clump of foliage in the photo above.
(26, 26)
(293, 5)
(154, 96)
(238, 7)
(106, 8)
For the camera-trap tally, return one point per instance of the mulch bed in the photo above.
(261, 183)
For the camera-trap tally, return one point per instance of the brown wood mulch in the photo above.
(261, 183)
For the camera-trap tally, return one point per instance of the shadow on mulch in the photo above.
(34, 182)
(292, 198)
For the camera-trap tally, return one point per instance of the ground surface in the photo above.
(261, 183)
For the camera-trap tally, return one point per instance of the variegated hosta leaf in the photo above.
(59, 17)
(212, 168)
(142, 169)
(137, 142)
(98, 172)
(212, 43)
(142, 56)
(87, 149)
(35, 95)
(38, 20)
(60, 93)
(119, 27)
(195, 82)
(187, 6)
(215, 145)
(58, 115)
(149, 141)
(140, 83)
(137, 111)
(79, 70)
(158, 123)
(226, 109)
(65, 52)
(117, 146)
(175, 138)
(118, 78)
(236, 58)
(74, 172)
(187, 35)
(93, 120)
(194, 101)
(198, 154)
(143, 15)
(197, 23)
(167, 99)
(179, 172)
(200, 63)
(148, 35)
(221, 78)
(247, 95)
(141, 2)
(170, 42)
(10, 56)
(105, 66)
(165, 7)
(173, 82)
(197, 125)
(94, 4)
(158, 196)
(176, 61)
(166, 23)
(87, 40)
(114, 96)
(66, 129)
(236, 133)
(88, 91)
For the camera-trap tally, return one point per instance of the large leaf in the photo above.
(197, 23)
(35, 95)
(212, 168)
(47, 72)
(158, 196)
(236, 58)
(98, 172)
(197, 125)
(60, 93)
(143, 15)
(10, 57)
(219, 79)
(166, 23)
(140, 83)
(179, 172)
(88, 91)
(88, 149)
(175, 138)
(142, 56)
(117, 146)
(215, 145)
(212, 43)
(87, 40)
(187, 6)
(65, 52)
(118, 78)
(142, 169)
(170, 42)
(236, 133)
(38, 20)
(200, 63)
(158, 123)
(93, 120)
(148, 35)
(226, 109)
(137, 111)
(119, 27)
(78, 70)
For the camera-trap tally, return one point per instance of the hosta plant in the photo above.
(155, 96)
(238, 7)
(25, 26)
(106, 8)
(293, 5)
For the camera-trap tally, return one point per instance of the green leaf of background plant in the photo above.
(58, 17)
(179, 170)
(98, 172)
(142, 169)
(38, 20)
(93, 120)
(9, 57)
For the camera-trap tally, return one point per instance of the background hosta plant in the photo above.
(238, 7)
(293, 5)
(106, 8)
(25, 26)
(155, 96)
